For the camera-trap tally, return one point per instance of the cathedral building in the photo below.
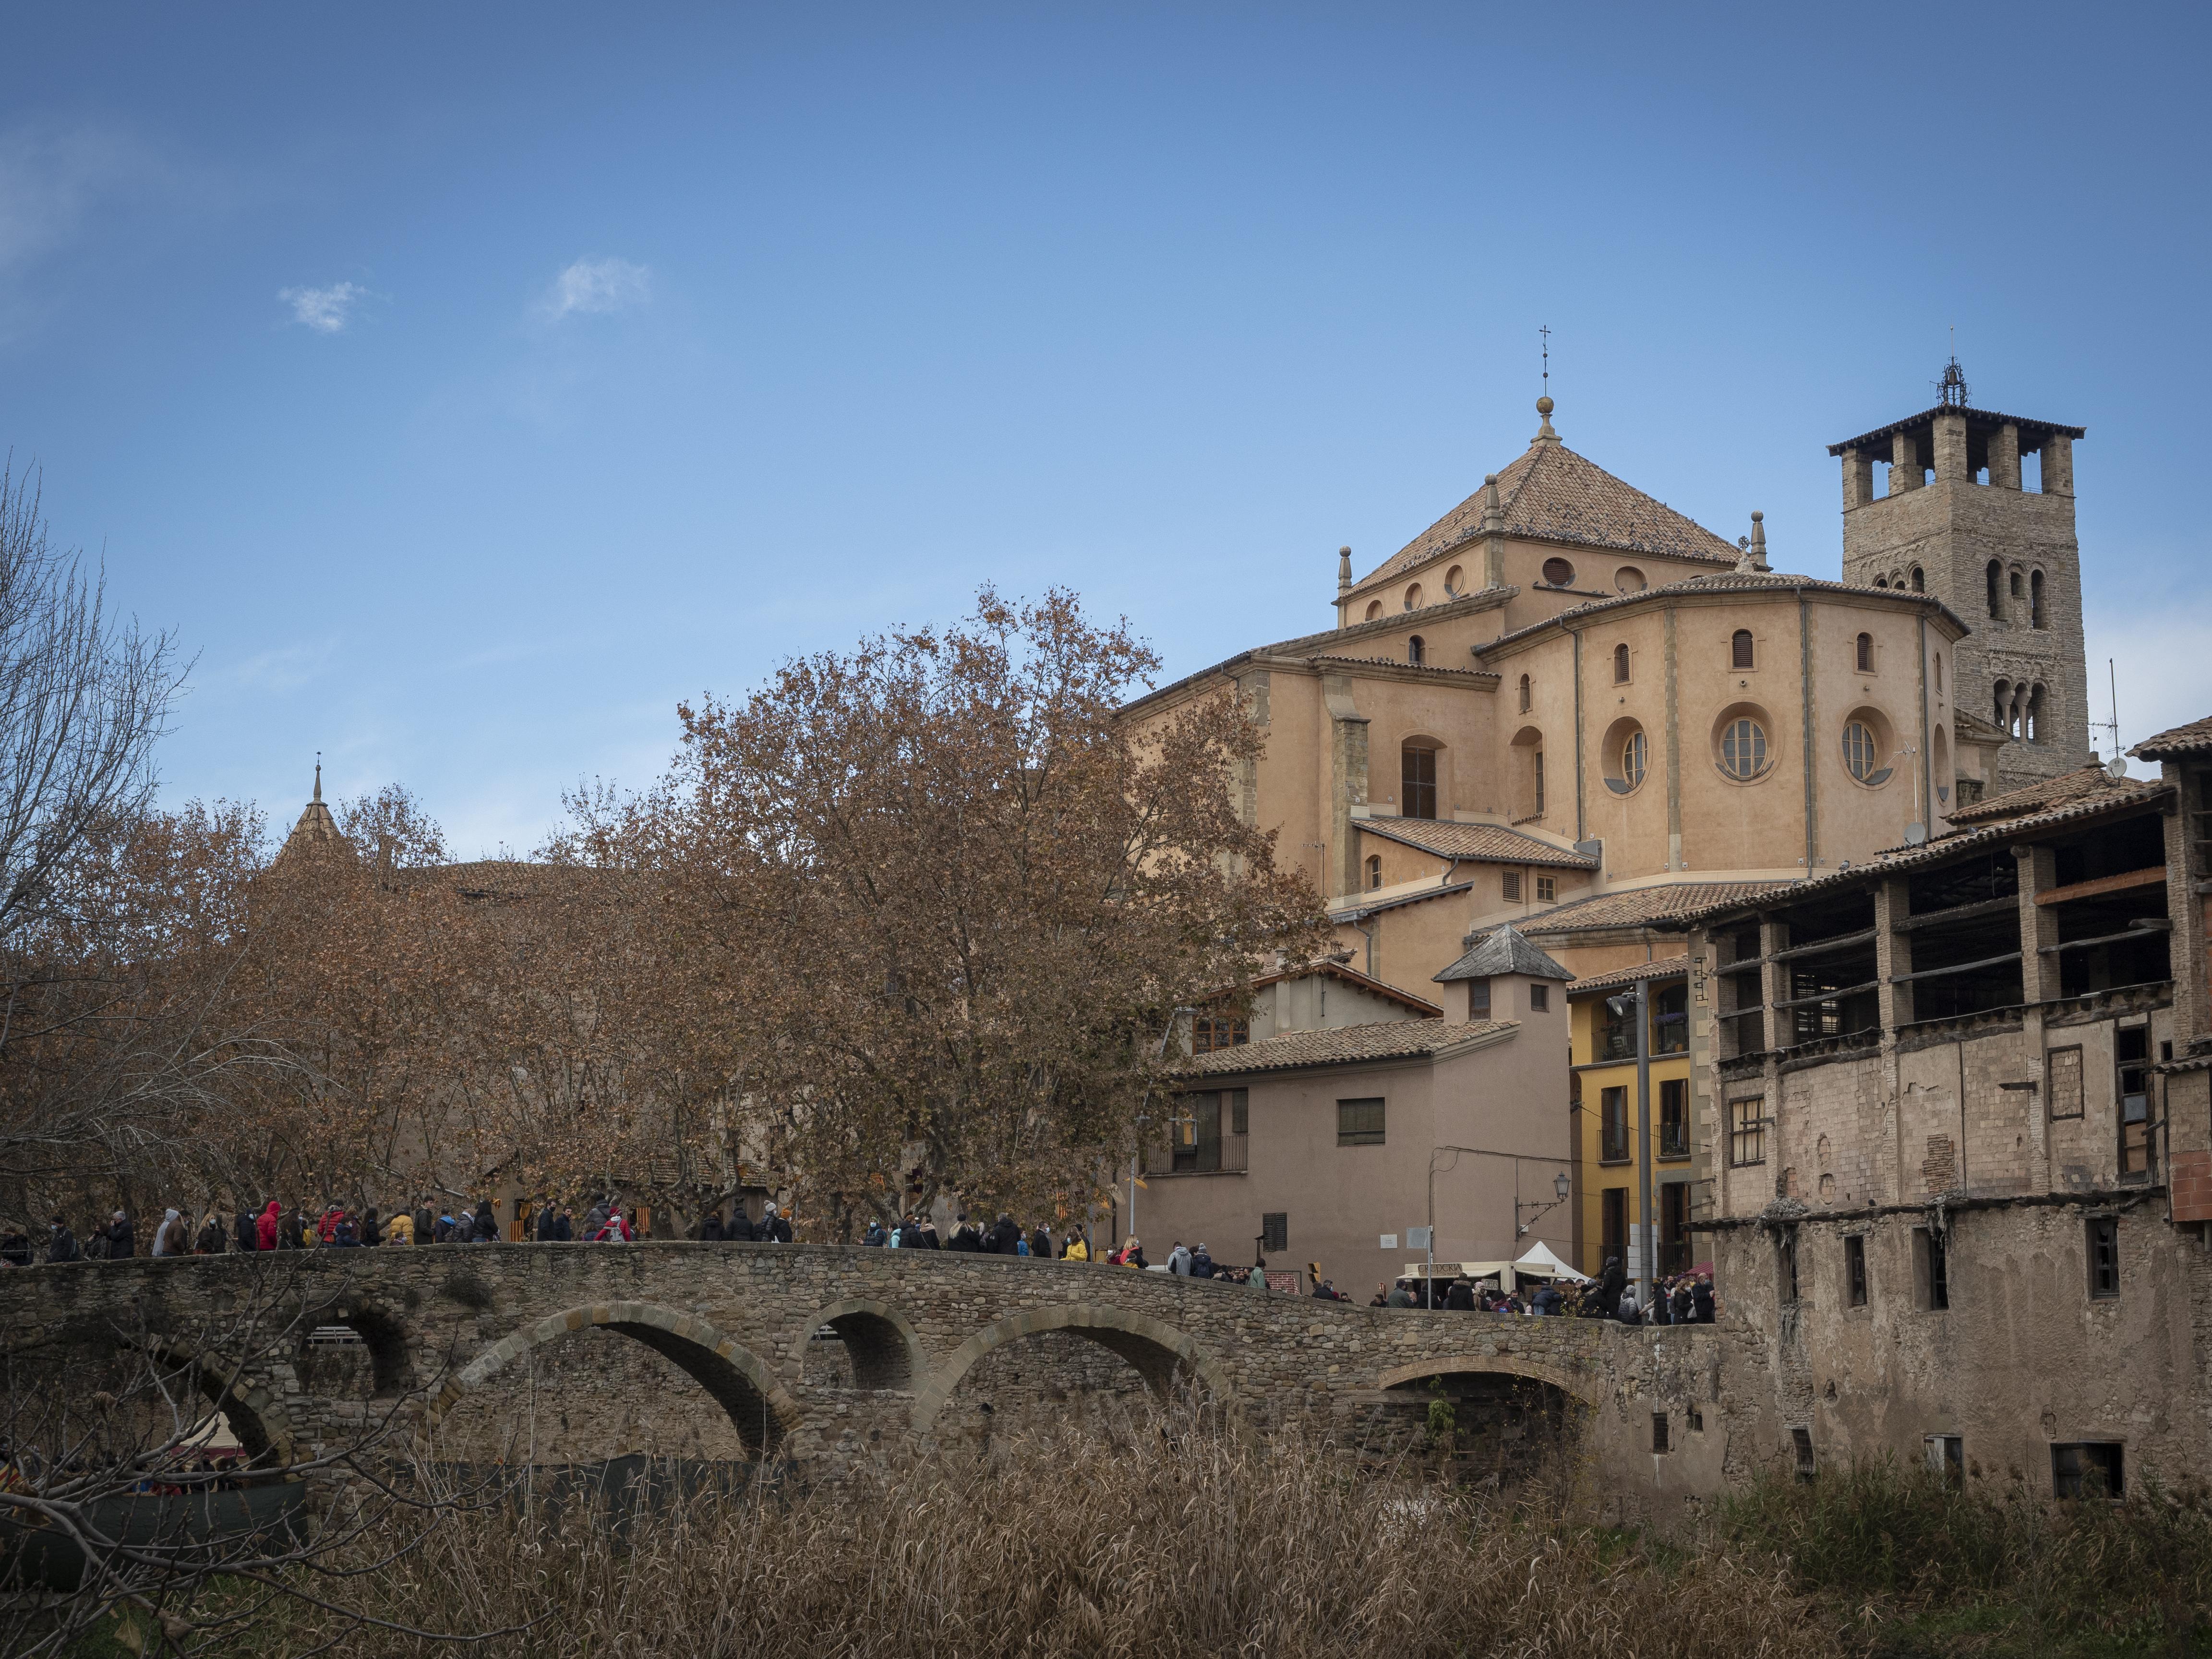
(1567, 706)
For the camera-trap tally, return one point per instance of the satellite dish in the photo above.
(1916, 835)
(2117, 768)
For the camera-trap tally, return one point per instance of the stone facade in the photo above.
(574, 1353)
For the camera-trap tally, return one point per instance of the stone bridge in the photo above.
(818, 1353)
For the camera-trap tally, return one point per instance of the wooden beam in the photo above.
(1822, 946)
(1957, 968)
(2082, 890)
(1837, 995)
(1989, 906)
(2154, 926)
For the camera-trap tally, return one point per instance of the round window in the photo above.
(1628, 580)
(1558, 573)
(1743, 750)
(1863, 751)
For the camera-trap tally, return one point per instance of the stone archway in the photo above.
(1512, 1367)
(1158, 1352)
(881, 1342)
(759, 1407)
(255, 1414)
(1509, 1416)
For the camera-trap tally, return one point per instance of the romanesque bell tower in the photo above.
(1958, 521)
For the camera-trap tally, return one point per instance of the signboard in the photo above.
(1390, 1241)
(1417, 1238)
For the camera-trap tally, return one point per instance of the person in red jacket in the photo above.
(264, 1229)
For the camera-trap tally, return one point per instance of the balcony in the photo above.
(1220, 1155)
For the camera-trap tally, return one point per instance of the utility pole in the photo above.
(1644, 1136)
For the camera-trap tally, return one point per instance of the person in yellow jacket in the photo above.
(400, 1230)
(1077, 1250)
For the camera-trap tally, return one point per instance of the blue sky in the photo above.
(466, 385)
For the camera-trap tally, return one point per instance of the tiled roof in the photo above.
(1503, 952)
(1978, 416)
(1353, 976)
(1943, 847)
(1667, 907)
(1551, 494)
(1664, 968)
(1489, 842)
(1404, 666)
(1349, 909)
(2194, 738)
(1726, 581)
(1346, 1045)
(2084, 783)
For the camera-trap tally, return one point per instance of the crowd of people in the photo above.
(1684, 1298)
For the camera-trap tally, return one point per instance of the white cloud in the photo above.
(597, 285)
(326, 310)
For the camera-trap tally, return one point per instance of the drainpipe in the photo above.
(1357, 922)
(1805, 701)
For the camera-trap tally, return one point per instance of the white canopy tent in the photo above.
(1540, 1262)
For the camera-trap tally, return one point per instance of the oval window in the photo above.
(1743, 748)
(1558, 573)
(1455, 581)
(1635, 756)
(1413, 596)
(1628, 580)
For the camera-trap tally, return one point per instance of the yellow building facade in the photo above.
(1609, 1153)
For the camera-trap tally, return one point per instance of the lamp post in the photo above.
(1642, 1002)
(1561, 1185)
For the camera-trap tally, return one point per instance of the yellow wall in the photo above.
(1592, 1177)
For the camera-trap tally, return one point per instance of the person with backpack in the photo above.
(778, 1225)
(1201, 1262)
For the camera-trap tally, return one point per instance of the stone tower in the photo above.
(1957, 521)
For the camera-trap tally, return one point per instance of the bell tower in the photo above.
(1958, 519)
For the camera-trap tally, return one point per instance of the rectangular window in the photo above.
(1418, 774)
(1197, 1134)
(1801, 1439)
(1212, 1031)
(2066, 1082)
(1931, 1275)
(1539, 998)
(1670, 1018)
(1855, 1273)
(1477, 999)
(2104, 1241)
(1240, 1111)
(1947, 1457)
(1748, 1131)
(1614, 1225)
(1540, 783)
(1616, 1032)
(1785, 1240)
(1675, 1227)
(1675, 1117)
(1512, 886)
(1547, 890)
(2088, 1468)
(1659, 1431)
(1360, 1123)
(1612, 1125)
(2131, 1050)
(1275, 1231)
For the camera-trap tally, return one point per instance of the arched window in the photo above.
(1740, 653)
(1374, 872)
(2033, 728)
(1743, 748)
(1635, 758)
(2004, 705)
(2016, 587)
(1416, 651)
(1865, 658)
(1374, 609)
(2035, 601)
(1919, 580)
(1418, 770)
(1881, 581)
(1524, 694)
(1994, 577)
(1620, 664)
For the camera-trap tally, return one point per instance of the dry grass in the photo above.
(1143, 1542)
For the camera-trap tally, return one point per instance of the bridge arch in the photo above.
(759, 1408)
(1513, 1368)
(255, 1412)
(881, 1343)
(1158, 1350)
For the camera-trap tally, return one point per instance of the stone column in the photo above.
(1858, 479)
(2058, 465)
(1904, 463)
(1893, 955)
(2004, 458)
(1950, 446)
(1773, 988)
(2039, 924)
(2184, 907)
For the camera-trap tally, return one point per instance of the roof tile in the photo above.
(1448, 839)
(1346, 1045)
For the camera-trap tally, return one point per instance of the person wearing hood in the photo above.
(264, 1229)
(1611, 1283)
(1201, 1262)
(167, 1241)
(61, 1242)
(243, 1234)
(1179, 1260)
(1006, 1236)
(739, 1228)
(1459, 1297)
